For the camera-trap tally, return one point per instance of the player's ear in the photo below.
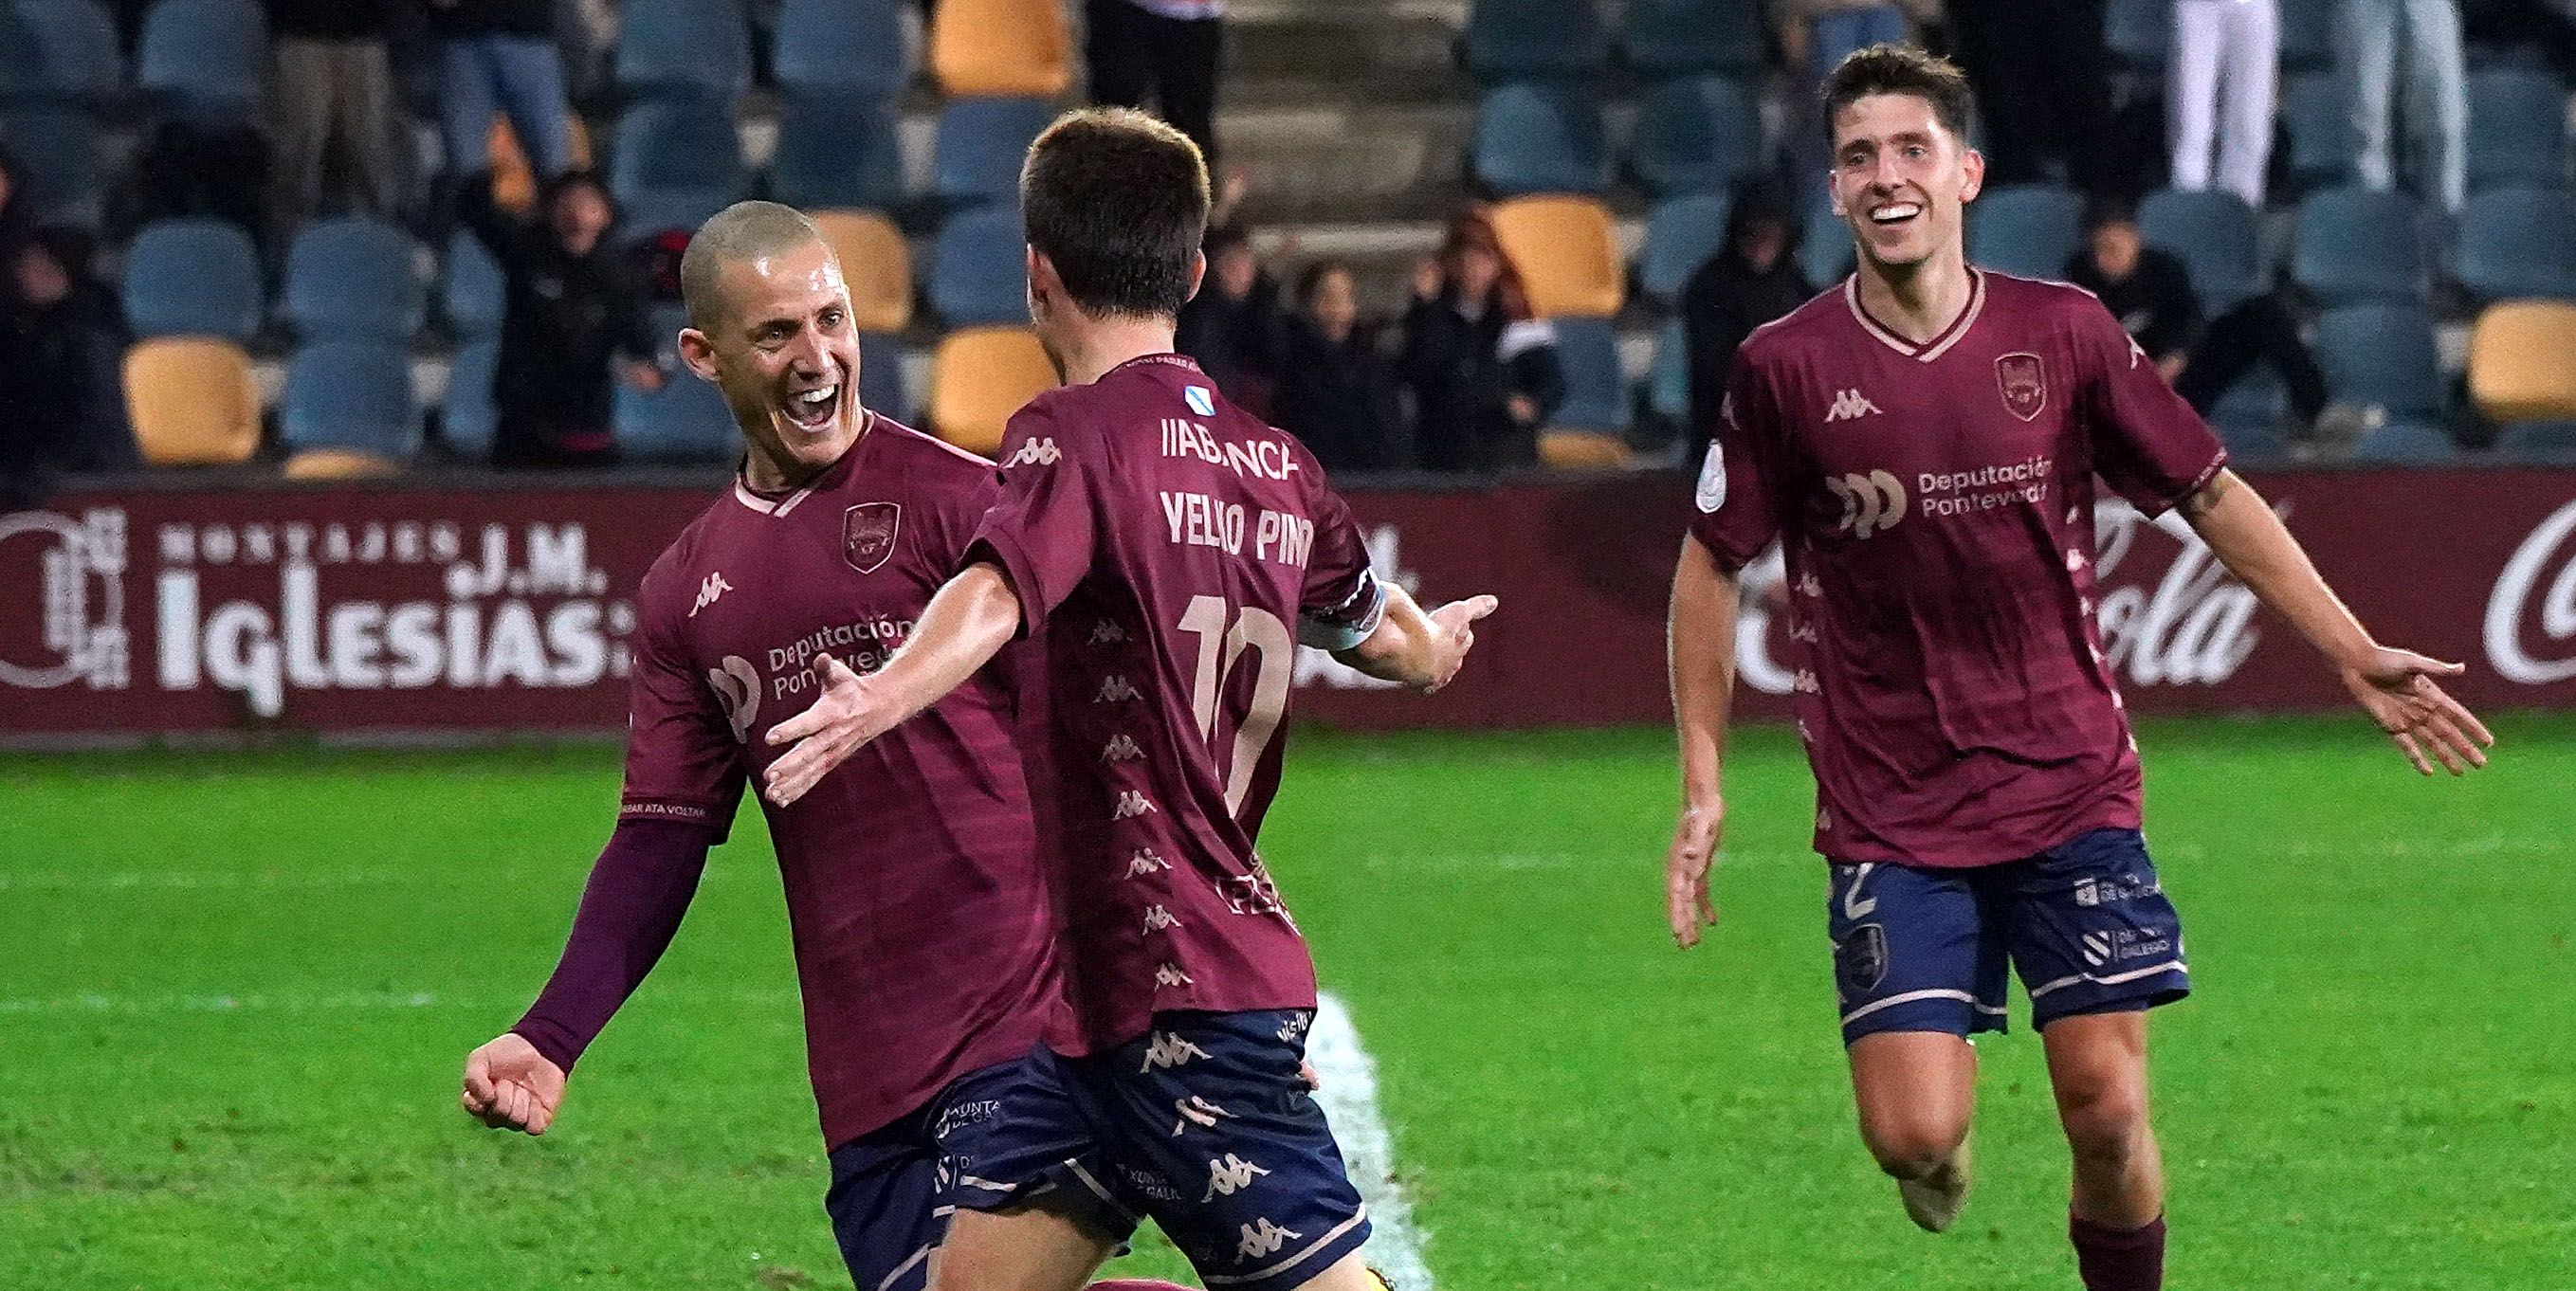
(1198, 273)
(1973, 165)
(699, 353)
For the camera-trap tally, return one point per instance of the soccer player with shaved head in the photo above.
(1175, 551)
(1922, 440)
(925, 945)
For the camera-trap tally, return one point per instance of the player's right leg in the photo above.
(1919, 966)
(1027, 1176)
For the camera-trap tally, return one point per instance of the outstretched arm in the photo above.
(1418, 649)
(1700, 637)
(2396, 686)
(962, 628)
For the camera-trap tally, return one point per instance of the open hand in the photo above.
(2397, 687)
(842, 720)
(1687, 903)
(510, 1086)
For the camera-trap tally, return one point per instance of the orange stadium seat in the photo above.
(2522, 361)
(514, 185)
(1000, 48)
(192, 401)
(979, 376)
(1566, 254)
(877, 265)
(339, 464)
(1581, 450)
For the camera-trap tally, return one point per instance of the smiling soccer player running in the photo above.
(1923, 439)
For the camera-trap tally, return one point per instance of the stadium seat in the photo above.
(2522, 362)
(979, 269)
(471, 289)
(354, 278)
(514, 185)
(677, 147)
(2139, 33)
(2517, 130)
(684, 421)
(2307, 35)
(2544, 443)
(1681, 234)
(877, 265)
(1693, 38)
(2383, 355)
(843, 48)
(2316, 109)
(469, 416)
(1539, 139)
(684, 49)
(62, 53)
(1825, 251)
(1582, 450)
(2215, 235)
(192, 400)
(2248, 416)
(1000, 49)
(2356, 244)
(979, 376)
(350, 395)
(1520, 40)
(2031, 230)
(1596, 390)
(981, 145)
(1566, 253)
(204, 58)
(881, 383)
(2405, 443)
(835, 151)
(2518, 242)
(58, 158)
(1697, 136)
(193, 277)
(340, 464)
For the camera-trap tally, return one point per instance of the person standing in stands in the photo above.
(1161, 54)
(1337, 390)
(1484, 372)
(2375, 35)
(62, 345)
(572, 316)
(335, 86)
(2043, 80)
(1233, 326)
(2226, 60)
(1753, 278)
(499, 57)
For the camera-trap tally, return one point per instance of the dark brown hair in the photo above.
(1902, 69)
(1117, 201)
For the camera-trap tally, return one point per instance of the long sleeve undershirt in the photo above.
(638, 889)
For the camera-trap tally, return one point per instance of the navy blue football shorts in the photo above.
(2086, 924)
(1205, 1126)
(894, 1188)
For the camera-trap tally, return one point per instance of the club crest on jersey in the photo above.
(1199, 399)
(867, 534)
(2024, 384)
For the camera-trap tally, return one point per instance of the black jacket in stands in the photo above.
(1340, 399)
(1237, 342)
(566, 319)
(2155, 303)
(1721, 305)
(1464, 366)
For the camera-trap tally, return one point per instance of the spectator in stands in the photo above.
(500, 57)
(335, 84)
(2226, 59)
(2150, 292)
(2043, 80)
(573, 321)
(1234, 327)
(62, 343)
(1484, 373)
(1160, 54)
(2376, 34)
(1753, 278)
(1337, 390)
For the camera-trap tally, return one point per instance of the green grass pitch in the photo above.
(235, 992)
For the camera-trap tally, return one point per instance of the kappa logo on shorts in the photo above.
(1197, 1111)
(1229, 1175)
(1263, 1240)
(1168, 1050)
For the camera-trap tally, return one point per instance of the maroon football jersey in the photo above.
(1935, 505)
(924, 938)
(1176, 550)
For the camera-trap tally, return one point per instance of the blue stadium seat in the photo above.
(1517, 40)
(1697, 136)
(1681, 234)
(471, 289)
(2357, 244)
(1668, 381)
(2316, 109)
(470, 416)
(2538, 442)
(2518, 242)
(2031, 230)
(1596, 391)
(204, 58)
(2307, 35)
(2385, 355)
(62, 53)
(2406, 443)
(58, 156)
(846, 48)
(693, 49)
(1825, 250)
(1693, 38)
(881, 384)
(2517, 130)
(353, 394)
(981, 145)
(1540, 139)
(684, 421)
(979, 269)
(2215, 235)
(837, 152)
(677, 146)
(2139, 32)
(193, 277)
(2248, 416)
(350, 279)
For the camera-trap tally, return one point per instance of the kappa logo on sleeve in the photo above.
(1036, 452)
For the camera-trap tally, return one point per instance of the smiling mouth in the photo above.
(1894, 213)
(812, 409)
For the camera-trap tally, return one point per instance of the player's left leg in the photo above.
(2097, 1064)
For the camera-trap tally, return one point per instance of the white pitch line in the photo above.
(1349, 1097)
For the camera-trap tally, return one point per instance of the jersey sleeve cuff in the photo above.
(2158, 506)
(1336, 630)
(1005, 551)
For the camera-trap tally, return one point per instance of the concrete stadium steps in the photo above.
(1304, 52)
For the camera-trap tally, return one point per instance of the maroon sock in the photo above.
(2119, 1259)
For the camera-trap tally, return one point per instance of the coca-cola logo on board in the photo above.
(2531, 614)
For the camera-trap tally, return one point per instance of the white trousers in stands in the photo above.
(2226, 61)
